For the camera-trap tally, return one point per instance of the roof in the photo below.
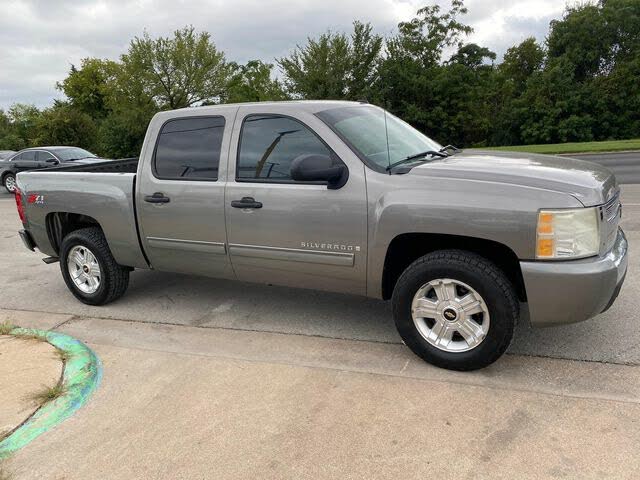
(308, 105)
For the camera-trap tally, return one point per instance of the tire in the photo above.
(112, 279)
(439, 331)
(9, 178)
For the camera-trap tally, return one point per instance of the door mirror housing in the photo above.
(52, 161)
(319, 168)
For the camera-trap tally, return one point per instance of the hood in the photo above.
(588, 182)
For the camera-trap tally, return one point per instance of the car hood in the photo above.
(590, 183)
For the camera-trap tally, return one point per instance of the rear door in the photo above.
(180, 196)
(280, 231)
(25, 161)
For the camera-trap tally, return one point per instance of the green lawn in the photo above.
(585, 147)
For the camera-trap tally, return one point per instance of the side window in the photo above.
(44, 156)
(268, 145)
(17, 157)
(30, 155)
(189, 149)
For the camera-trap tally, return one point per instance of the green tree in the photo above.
(184, 70)
(253, 83)
(63, 124)
(22, 127)
(333, 66)
(411, 80)
(89, 88)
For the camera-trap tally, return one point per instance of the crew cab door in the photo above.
(292, 233)
(180, 193)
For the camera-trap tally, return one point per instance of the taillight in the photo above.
(20, 205)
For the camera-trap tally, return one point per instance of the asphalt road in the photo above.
(28, 284)
(625, 165)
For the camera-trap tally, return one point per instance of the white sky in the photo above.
(40, 39)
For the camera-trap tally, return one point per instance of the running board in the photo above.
(50, 260)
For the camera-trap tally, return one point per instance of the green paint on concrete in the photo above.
(81, 376)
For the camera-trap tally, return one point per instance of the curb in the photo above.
(81, 375)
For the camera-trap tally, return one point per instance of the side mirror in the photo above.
(319, 168)
(52, 161)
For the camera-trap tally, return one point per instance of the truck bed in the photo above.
(100, 193)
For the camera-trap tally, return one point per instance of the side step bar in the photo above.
(50, 260)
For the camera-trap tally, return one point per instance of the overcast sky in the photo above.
(40, 39)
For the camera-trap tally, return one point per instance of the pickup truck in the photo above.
(342, 197)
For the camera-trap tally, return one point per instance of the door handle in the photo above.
(246, 202)
(157, 197)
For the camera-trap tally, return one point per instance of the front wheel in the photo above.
(9, 182)
(89, 269)
(455, 309)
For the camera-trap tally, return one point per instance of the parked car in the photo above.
(41, 157)
(344, 197)
(6, 153)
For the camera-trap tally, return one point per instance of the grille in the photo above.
(612, 208)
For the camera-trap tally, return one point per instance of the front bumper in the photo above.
(573, 291)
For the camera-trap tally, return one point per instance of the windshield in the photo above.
(376, 136)
(72, 153)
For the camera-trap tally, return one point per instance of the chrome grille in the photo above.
(612, 208)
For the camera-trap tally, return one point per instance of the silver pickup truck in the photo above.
(343, 197)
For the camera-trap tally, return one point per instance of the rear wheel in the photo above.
(9, 182)
(89, 269)
(455, 309)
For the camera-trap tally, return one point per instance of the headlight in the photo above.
(567, 234)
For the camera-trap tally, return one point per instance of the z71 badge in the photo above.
(36, 199)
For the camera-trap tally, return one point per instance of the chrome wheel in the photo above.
(10, 183)
(84, 269)
(450, 315)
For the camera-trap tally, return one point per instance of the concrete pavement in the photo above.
(182, 402)
(26, 367)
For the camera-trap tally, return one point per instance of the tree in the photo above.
(522, 61)
(253, 83)
(333, 66)
(63, 124)
(177, 72)
(21, 129)
(409, 82)
(89, 87)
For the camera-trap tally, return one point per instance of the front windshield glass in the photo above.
(377, 136)
(72, 153)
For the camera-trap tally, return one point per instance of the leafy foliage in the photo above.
(581, 84)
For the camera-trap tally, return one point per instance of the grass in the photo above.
(583, 147)
(28, 335)
(6, 327)
(62, 355)
(49, 393)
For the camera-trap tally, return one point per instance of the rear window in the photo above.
(189, 149)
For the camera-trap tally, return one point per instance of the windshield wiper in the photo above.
(431, 153)
(453, 148)
(74, 159)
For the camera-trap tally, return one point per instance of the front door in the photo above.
(286, 232)
(180, 199)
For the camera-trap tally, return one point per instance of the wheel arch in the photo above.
(405, 248)
(61, 224)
